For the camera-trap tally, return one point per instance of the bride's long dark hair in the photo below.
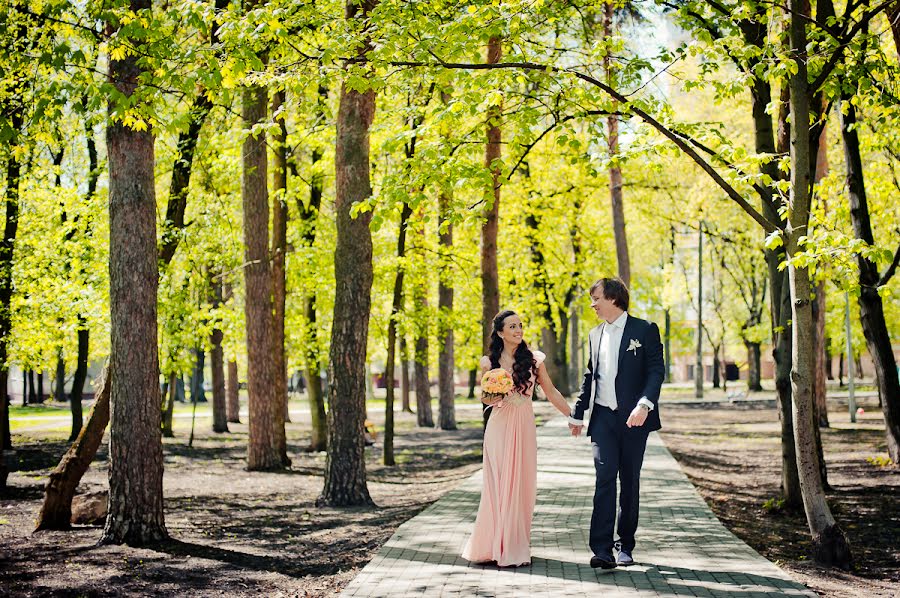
(524, 366)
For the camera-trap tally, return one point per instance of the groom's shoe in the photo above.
(623, 559)
(604, 562)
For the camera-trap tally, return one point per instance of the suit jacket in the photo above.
(641, 372)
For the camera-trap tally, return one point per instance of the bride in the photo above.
(503, 526)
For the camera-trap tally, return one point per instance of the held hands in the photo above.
(575, 430)
(638, 417)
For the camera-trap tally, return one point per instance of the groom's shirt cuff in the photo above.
(575, 422)
(646, 403)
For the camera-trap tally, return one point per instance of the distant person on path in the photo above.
(619, 401)
(502, 533)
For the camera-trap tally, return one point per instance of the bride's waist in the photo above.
(516, 398)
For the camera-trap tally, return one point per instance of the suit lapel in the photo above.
(623, 346)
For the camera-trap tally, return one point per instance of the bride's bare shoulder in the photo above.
(485, 363)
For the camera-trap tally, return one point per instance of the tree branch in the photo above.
(669, 134)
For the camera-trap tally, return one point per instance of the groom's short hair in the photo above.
(614, 290)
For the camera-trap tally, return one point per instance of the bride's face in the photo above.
(512, 330)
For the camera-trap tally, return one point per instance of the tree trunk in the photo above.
(893, 15)
(490, 282)
(717, 368)
(59, 389)
(753, 366)
(446, 383)
(279, 251)
(217, 359)
(169, 410)
(871, 307)
(233, 405)
(32, 392)
(396, 308)
(615, 170)
(404, 376)
(779, 298)
(424, 417)
(473, 381)
(198, 377)
(135, 446)
(309, 214)
(15, 112)
(345, 464)
(819, 393)
(56, 510)
(266, 430)
(79, 378)
(830, 546)
(698, 355)
(576, 366)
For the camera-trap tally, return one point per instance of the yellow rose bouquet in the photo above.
(495, 384)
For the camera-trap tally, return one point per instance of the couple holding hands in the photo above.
(618, 404)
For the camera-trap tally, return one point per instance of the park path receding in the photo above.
(683, 550)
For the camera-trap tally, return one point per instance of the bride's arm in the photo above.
(554, 396)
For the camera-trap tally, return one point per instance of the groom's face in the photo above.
(602, 306)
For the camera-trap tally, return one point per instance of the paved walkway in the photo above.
(682, 548)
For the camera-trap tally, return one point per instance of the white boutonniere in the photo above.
(634, 346)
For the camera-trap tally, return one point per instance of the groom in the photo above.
(618, 400)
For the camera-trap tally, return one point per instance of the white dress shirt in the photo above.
(608, 362)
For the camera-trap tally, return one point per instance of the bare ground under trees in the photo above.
(242, 533)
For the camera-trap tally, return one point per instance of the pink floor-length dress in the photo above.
(503, 525)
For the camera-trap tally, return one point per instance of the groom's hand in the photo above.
(638, 417)
(575, 430)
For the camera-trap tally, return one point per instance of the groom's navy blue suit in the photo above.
(618, 449)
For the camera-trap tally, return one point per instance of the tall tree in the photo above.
(217, 359)
(266, 429)
(232, 391)
(279, 247)
(396, 308)
(13, 110)
(424, 416)
(616, 182)
(871, 306)
(490, 281)
(446, 369)
(309, 214)
(135, 443)
(830, 545)
(345, 465)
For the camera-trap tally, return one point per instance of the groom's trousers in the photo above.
(618, 452)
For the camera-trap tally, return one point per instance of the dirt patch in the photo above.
(235, 533)
(732, 454)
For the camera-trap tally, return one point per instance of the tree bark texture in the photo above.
(135, 444)
(56, 510)
(830, 546)
(217, 359)
(871, 307)
(424, 415)
(233, 404)
(345, 465)
(490, 281)
(446, 383)
(404, 376)
(309, 214)
(266, 445)
(279, 251)
(15, 112)
(169, 409)
(770, 140)
(396, 308)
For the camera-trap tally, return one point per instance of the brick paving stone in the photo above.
(682, 548)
